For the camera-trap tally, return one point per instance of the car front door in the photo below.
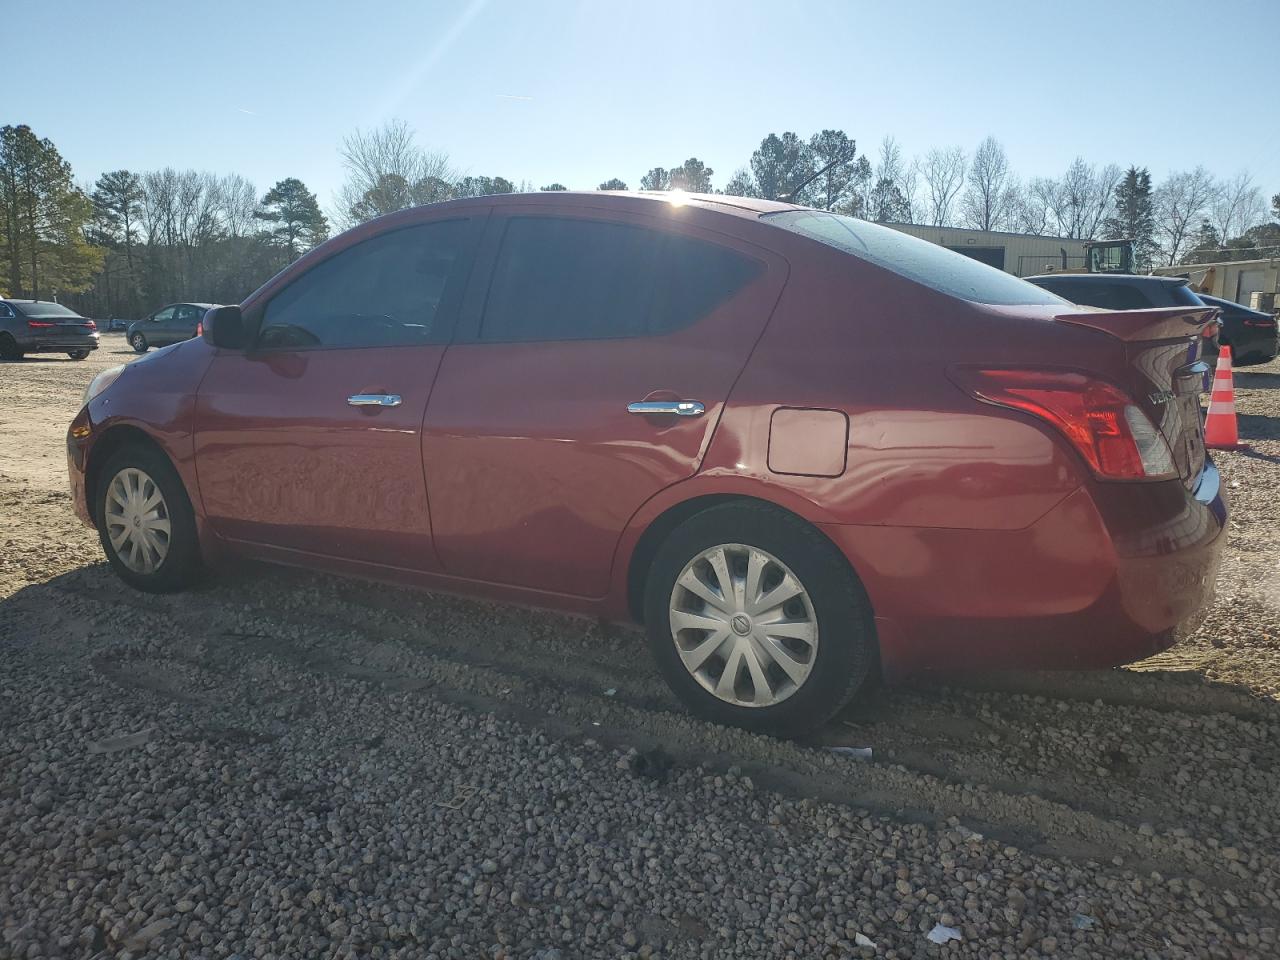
(157, 329)
(310, 440)
(534, 463)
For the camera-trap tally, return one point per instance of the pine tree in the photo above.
(832, 150)
(656, 179)
(780, 165)
(296, 222)
(692, 176)
(1134, 216)
(43, 216)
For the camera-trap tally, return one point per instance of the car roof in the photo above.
(637, 200)
(1109, 278)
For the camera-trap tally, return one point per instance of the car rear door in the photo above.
(311, 439)
(535, 460)
(183, 325)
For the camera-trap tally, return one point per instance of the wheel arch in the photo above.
(113, 439)
(660, 527)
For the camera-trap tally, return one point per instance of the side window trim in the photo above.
(450, 309)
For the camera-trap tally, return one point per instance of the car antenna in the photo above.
(789, 196)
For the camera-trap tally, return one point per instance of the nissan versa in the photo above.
(802, 449)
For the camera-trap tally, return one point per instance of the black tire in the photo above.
(847, 652)
(9, 348)
(139, 343)
(181, 565)
(78, 354)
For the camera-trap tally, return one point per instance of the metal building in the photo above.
(1244, 281)
(1020, 254)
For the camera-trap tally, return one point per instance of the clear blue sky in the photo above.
(583, 90)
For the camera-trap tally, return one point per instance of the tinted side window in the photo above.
(395, 289)
(164, 315)
(188, 314)
(6, 312)
(562, 279)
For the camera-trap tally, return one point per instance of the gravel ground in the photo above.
(287, 765)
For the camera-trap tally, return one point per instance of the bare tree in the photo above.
(237, 203)
(943, 174)
(1182, 202)
(986, 201)
(892, 188)
(1237, 207)
(1034, 206)
(388, 171)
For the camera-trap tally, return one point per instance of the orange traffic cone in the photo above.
(1220, 431)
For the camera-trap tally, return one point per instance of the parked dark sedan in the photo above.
(627, 407)
(41, 326)
(1251, 334)
(171, 324)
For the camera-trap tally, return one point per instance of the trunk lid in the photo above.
(1162, 349)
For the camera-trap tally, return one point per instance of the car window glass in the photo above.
(385, 291)
(566, 279)
(187, 314)
(1114, 296)
(163, 315)
(926, 263)
(5, 311)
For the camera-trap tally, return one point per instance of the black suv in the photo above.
(167, 325)
(41, 326)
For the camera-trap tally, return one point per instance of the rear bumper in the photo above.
(1113, 574)
(58, 344)
(1256, 346)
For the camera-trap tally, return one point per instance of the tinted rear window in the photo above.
(564, 279)
(1109, 295)
(46, 310)
(1184, 296)
(927, 263)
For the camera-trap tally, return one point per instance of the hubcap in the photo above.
(137, 520)
(743, 625)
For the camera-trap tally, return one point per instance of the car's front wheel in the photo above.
(145, 521)
(138, 342)
(78, 354)
(756, 620)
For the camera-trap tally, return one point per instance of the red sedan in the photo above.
(802, 449)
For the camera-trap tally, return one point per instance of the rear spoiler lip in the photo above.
(1154, 323)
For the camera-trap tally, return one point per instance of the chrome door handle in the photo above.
(374, 400)
(681, 408)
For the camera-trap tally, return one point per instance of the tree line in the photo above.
(132, 241)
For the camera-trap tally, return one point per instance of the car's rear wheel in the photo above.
(756, 620)
(138, 342)
(145, 521)
(9, 348)
(78, 354)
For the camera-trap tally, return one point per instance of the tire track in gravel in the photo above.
(392, 656)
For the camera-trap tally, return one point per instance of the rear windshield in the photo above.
(1184, 296)
(42, 309)
(937, 267)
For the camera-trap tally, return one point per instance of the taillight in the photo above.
(1116, 439)
(40, 325)
(1266, 324)
(199, 328)
(91, 325)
